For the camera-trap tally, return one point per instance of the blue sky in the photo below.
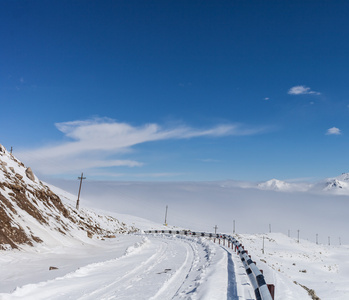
(176, 90)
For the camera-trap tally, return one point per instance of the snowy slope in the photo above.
(133, 222)
(31, 213)
(321, 268)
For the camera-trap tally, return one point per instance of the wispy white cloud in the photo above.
(333, 131)
(92, 143)
(302, 90)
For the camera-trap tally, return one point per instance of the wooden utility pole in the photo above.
(298, 235)
(215, 229)
(263, 245)
(166, 216)
(78, 201)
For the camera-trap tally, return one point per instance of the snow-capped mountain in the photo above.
(275, 184)
(338, 185)
(335, 184)
(30, 212)
(282, 186)
(343, 177)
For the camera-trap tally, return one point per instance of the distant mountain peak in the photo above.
(338, 184)
(274, 184)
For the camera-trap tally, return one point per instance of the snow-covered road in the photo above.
(134, 267)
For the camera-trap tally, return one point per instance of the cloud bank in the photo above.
(95, 143)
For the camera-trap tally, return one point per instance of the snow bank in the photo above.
(289, 264)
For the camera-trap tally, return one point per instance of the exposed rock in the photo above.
(311, 292)
(52, 268)
(19, 176)
(113, 236)
(10, 235)
(30, 174)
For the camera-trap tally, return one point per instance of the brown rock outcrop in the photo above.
(30, 174)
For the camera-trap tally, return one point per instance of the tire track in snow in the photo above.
(170, 290)
(159, 268)
(81, 283)
(210, 275)
(232, 286)
(170, 254)
(130, 276)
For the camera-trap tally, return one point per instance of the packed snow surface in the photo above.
(127, 267)
(139, 266)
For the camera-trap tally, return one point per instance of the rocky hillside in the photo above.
(31, 213)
